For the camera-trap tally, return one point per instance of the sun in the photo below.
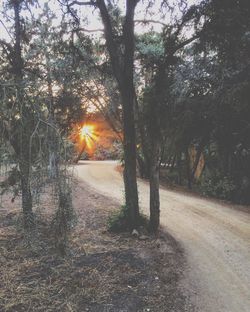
(87, 131)
(88, 135)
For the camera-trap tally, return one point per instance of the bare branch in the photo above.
(89, 30)
(184, 43)
(148, 21)
(81, 3)
(6, 29)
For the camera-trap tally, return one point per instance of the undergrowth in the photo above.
(119, 221)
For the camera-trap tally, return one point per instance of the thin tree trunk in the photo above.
(142, 162)
(189, 179)
(26, 195)
(141, 166)
(179, 169)
(154, 130)
(173, 163)
(80, 153)
(24, 155)
(154, 188)
(197, 158)
(143, 142)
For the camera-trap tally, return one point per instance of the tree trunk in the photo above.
(26, 195)
(197, 159)
(179, 168)
(123, 68)
(144, 148)
(131, 193)
(156, 139)
(172, 163)
(188, 171)
(154, 187)
(80, 153)
(24, 142)
(143, 167)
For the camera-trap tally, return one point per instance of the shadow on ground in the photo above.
(101, 272)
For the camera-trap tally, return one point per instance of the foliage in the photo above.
(112, 152)
(149, 49)
(64, 218)
(34, 93)
(209, 102)
(216, 185)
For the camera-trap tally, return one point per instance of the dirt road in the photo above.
(215, 237)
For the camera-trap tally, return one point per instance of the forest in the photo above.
(161, 88)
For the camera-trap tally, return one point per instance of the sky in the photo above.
(93, 21)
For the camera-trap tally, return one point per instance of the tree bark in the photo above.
(154, 131)
(188, 171)
(154, 174)
(144, 162)
(198, 156)
(142, 167)
(80, 153)
(26, 195)
(123, 68)
(24, 156)
(131, 193)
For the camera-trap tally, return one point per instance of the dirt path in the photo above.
(215, 237)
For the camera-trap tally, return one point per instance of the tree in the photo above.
(121, 52)
(29, 130)
(209, 100)
(160, 59)
(18, 130)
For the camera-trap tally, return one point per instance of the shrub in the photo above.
(119, 222)
(172, 176)
(218, 186)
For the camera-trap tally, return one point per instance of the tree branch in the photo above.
(89, 30)
(111, 45)
(150, 21)
(6, 29)
(184, 43)
(81, 3)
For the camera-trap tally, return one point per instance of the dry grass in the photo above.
(101, 272)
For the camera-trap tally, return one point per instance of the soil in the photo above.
(100, 272)
(215, 237)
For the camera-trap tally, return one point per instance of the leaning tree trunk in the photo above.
(78, 157)
(198, 157)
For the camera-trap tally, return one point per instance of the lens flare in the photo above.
(87, 130)
(87, 134)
